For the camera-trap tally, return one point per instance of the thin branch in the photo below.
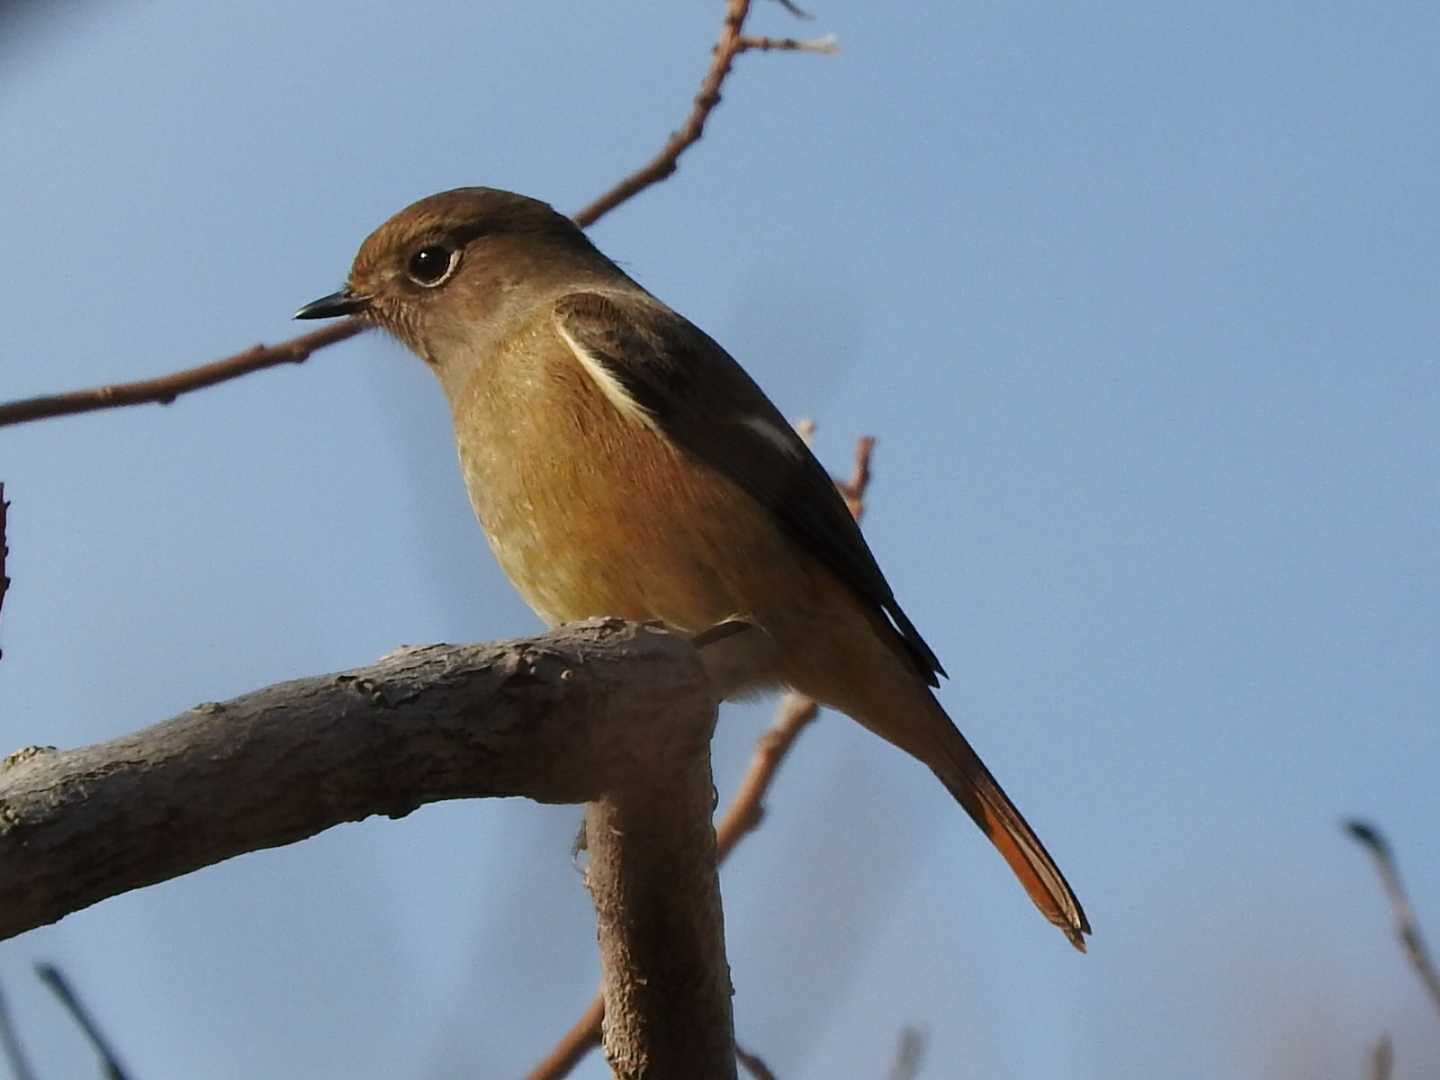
(1382, 1058)
(909, 1055)
(574, 1045)
(166, 388)
(4, 552)
(854, 489)
(754, 1064)
(664, 164)
(795, 9)
(11, 1048)
(747, 809)
(1406, 926)
(731, 43)
(110, 1062)
(828, 45)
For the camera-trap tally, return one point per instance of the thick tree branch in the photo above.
(561, 718)
(653, 878)
(743, 816)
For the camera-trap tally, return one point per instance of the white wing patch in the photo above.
(782, 439)
(611, 387)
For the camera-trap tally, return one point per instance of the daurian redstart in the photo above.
(623, 464)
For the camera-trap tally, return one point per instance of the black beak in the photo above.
(336, 304)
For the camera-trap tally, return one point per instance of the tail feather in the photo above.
(880, 689)
(976, 790)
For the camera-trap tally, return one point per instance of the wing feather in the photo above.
(666, 373)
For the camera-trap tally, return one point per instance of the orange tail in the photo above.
(967, 778)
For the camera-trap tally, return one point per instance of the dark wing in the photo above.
(706, 404)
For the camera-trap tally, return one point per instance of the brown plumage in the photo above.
(623, 464)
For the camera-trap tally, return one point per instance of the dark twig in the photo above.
(828, 45)
(746, 810)
(909, 1055)
(753, 1063)
(1406, 926)
(110, 1062)
(574, 1045)
(732, 43)
(166, 388)
(10, 1046)
(664, 164)
(795, 9)
(4, 552)
(1382, 1058)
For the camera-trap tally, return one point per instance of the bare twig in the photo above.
(732, 43)
(746, 810)
(109, 1060)
(909, 1055)
(1406, 926)
(166, 388)
(795, 9)
(828, 45)
(1382, 1058)
(10, 1046)
(574, 1045)
(664, 164)
(754, 1064)
(4, 552)
(854, 489)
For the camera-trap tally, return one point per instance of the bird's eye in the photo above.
(432, 265)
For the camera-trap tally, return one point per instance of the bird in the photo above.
(622, 463)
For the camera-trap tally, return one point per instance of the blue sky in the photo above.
(1141, 303)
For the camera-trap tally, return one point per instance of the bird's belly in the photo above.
(619, 523)
(576, 561)
(590, 514)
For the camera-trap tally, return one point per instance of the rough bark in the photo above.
(567, 717)
(653, 878)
